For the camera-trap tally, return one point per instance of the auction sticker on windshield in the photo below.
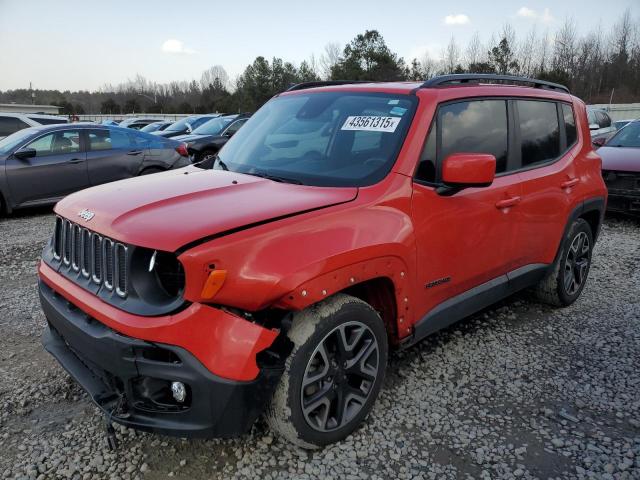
(371, 124)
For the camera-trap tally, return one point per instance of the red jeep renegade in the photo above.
(341, 221)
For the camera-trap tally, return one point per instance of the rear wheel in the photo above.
(333, 374)
(564, 284)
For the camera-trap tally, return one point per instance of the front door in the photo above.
(59, 168)
(466, 239)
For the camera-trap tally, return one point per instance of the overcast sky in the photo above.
(83, 44)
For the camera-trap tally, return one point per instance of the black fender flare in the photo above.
(594, 204)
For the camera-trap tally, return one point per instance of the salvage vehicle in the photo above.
(621, 169)
(343, 220)
(156, 126)
(40, 165)
(205, 141)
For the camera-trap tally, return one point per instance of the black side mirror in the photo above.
(25, 153)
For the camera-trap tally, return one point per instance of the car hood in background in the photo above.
(166, 211)
(625, 159)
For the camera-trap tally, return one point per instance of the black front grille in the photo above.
(622, 180)
(96, 257)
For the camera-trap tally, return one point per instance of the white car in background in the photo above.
(12, 122)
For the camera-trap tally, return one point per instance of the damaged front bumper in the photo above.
(130, 378)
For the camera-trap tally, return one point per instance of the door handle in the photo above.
(570, 183)
(134, 152)
(508, 202)
(75, 160)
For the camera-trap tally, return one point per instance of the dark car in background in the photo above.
(621, 169)
(40, 165)
(136, 122)
(600, 124)
(186, 125)
(205, 141)
(156, 126)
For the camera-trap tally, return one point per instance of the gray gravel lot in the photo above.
(517, 391)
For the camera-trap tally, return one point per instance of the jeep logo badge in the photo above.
(86, 215)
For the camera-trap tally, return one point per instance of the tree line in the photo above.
(597, 66)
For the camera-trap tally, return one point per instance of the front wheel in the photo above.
(334, 373)
(564, 284)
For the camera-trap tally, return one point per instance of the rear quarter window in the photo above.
(569, 124)
(539, 131)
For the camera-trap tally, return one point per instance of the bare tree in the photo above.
(474, 52)
(451, 56)
(329, 58)
(211, 74)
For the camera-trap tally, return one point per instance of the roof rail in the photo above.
(460, 78)
(323, 83)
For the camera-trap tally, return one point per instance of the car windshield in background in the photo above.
(180, 124)
(322, 139)
(629, 136)
(9, 143)
(213, 126)
(152, 127)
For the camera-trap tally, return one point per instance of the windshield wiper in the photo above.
(275, 178)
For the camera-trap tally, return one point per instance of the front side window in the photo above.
(478, 126)
(569, 124)
(322, 138)
(233, 128)
(539, 131)
(57, 143)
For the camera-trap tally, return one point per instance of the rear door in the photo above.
(466, 239)
(547, 139)
(59, 168)
(111, 155)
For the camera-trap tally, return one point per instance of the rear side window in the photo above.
(539, 131)
(569, 124)
(107, 140)
(604, 120)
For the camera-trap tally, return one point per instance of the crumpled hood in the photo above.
(623, 159)
(166, 211)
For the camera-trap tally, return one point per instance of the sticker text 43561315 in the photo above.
(371, 123)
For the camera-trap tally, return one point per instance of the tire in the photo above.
(345, 391)
(564, 284)
(150, 171)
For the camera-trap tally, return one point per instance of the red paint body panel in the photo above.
(168, 210)
(227, 345)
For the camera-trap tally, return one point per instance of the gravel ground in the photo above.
(517, 391)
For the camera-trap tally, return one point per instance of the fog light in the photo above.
(179, 391)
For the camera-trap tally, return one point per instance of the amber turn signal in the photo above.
(213, 284)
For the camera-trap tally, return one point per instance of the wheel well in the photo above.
(592, 217)
(380, 294)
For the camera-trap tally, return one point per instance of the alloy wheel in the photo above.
(576, 263)
(339, 376)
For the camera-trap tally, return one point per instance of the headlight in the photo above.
(156, 276)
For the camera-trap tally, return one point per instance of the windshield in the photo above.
(193, 122)
(213, 126)
(7, 144)
(152, 127)
(629, 136)
(322, 139)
